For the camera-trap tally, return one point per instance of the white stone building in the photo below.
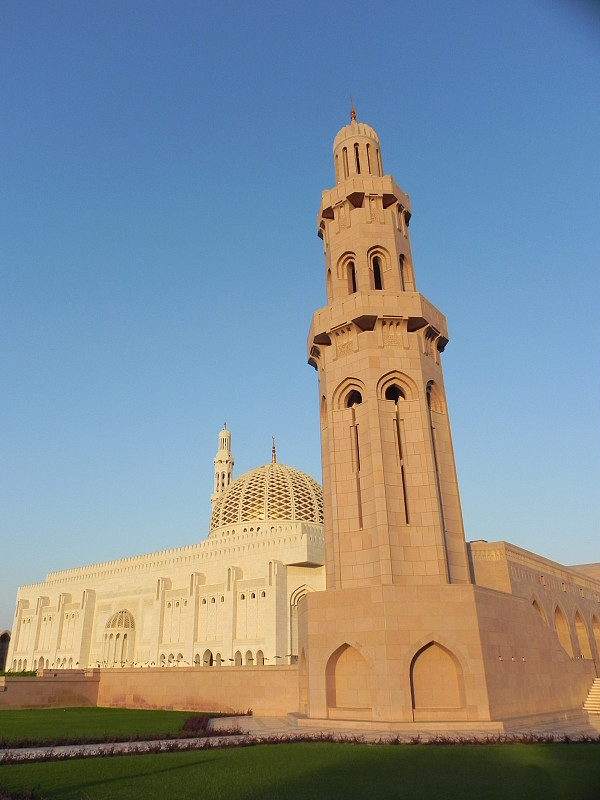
(230, 599)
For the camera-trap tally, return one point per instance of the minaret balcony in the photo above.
(362, 309)
(355, 188)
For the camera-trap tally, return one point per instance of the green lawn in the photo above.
(324, 771)
(52, 724)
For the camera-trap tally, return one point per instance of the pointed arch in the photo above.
(562, 630)
(378, 259)
(295, 598)
(596, 634)
(348, 681)
(582, 636)
(323, 411)
(346, 271)
(436, 679)
(387, 382)
(344, 392)
(435, 398)
(535, 603)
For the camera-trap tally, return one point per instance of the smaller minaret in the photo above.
(223, 465)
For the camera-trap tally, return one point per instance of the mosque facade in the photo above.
(367, 590)
(228, 600)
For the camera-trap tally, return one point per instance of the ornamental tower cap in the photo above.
(356, 150)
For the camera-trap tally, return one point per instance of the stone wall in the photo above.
(50, 689)
(269, 691)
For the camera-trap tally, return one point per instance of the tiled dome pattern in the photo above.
(122, 619)
(271, 492)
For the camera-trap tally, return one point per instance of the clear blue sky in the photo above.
(161, 170)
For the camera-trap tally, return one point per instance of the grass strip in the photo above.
(28, 727)
(322, 771)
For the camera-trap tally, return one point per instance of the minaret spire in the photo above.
(223, 462)
(273, 453)
(352, 111)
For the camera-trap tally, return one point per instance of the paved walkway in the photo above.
(576, 727)
(583, 726)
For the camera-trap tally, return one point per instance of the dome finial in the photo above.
(273, 453)
(352, 111)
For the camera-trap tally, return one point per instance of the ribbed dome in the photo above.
(355, 129)
(271, 492)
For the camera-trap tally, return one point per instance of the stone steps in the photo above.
(592, 702)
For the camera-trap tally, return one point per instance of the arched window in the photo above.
(238, 658)
(352, 284)
(357, 159)
(345, 157)
(369, 159)
(377, 281)
(119, 639)
(402, 275)
(354, 399)
(249, 658)
(394, 392)
(260, 658)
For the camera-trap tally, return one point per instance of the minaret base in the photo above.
(444, 654)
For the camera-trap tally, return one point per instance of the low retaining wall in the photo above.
(50, 689)
(268, 691)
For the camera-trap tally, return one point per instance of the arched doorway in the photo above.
(436, 680)
(348, 684)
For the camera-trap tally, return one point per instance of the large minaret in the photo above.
(392, 508)
(223, 462)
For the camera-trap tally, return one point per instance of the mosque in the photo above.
(361, 601)
(231, 599)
